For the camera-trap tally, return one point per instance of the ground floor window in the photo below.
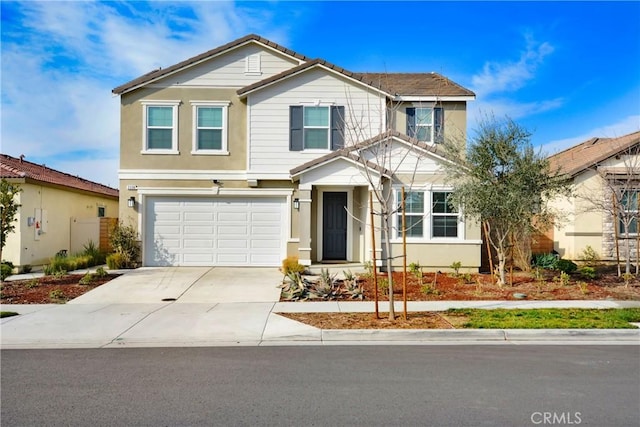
(428, 214)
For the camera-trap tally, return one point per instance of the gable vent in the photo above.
(253, 64)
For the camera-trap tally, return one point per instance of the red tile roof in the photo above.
(11, 167)
(576, 159)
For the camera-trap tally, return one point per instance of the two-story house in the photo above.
(250, 153)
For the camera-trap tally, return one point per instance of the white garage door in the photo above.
(199, 231)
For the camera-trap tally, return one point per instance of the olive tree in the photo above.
(502, 182)
(8, 210)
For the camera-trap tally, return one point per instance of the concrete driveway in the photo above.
(200, 285)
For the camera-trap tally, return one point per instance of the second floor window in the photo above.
(316, 127)
(426, 124)
(160, 127)
(209, 127)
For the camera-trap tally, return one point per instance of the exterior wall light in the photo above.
(131, 202)
(296, 204)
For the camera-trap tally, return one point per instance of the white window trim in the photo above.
(174, 134)
(432, 125)
(427, 221)
(633, 213)
(328, 128)
(224, 150)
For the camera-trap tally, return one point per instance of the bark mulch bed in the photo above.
(49, 289)
(476, 287)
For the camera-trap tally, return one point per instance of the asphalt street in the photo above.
(451, 385)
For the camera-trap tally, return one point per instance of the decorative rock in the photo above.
(519, 295)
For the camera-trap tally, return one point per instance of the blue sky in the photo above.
(567, 71)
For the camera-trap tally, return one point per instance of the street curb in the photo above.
(481, 335)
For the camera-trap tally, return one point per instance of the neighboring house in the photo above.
(598, 168)
(58, 212)
(250, 153)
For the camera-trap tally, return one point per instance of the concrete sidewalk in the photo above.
(165, 307)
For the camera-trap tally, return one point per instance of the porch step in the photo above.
(337, 268)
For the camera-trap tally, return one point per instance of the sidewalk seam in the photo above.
(135, 324)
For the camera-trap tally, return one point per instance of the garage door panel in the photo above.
(233, 259)
(198, 216)
(232, 244)
(197, 259)
(229, 231)
(198, 244)
(264, 244)
(197, 230)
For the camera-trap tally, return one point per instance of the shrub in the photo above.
(6, 269)
(545, 261)
(95, 255)
(587, 272)
(100, 272)
(25, 269)
(566, 266)
(124, 241)
(86, 279)
(60, 264)
(115, 261)
(291, 265)
(56, 294)
(455, 266)
(589, 256)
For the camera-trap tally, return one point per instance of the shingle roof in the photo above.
(11, 167)
(348, 152)
(401, 84)
(161, 72)
(417, 84)
(576, 159)
(407, 84)
(301, 68)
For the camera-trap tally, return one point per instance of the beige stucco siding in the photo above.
(269, 117)
(132, 131)
(455, 118)
(24, 246)
(583, 217)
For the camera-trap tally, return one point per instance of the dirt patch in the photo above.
(415, 320)
(49, 289)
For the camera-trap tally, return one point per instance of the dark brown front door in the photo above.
(334, 224)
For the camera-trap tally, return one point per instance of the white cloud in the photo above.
(499, 80)
(499, 77)
(62, 61)
(623, 127)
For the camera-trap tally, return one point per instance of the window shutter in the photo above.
(411, 122)
(296, 130)
(438, 121)
(337, 128)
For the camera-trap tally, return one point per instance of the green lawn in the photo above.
(547, 318)
(7, 314)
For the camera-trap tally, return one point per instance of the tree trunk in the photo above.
(386, 227)
(502, 262)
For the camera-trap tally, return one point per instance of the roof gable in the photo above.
(580, 157)
(198, 59)
(351, 153)
(18, 168)
(391, 84)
